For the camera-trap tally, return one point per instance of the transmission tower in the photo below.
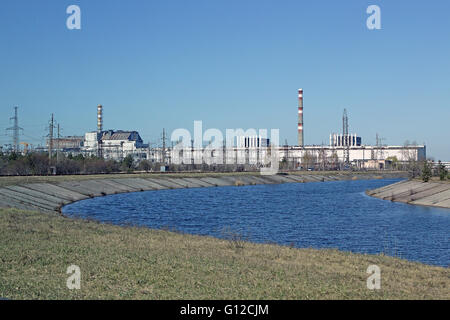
(16, 131)
(345, 137)
(380, 153)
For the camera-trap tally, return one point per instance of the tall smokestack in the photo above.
(300, 118)
(99, 118)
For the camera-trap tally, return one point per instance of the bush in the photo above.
(68, 166)
(96, 165)
(38, 162)
(145, 165)
(426, 172)
(128, 163)
(442, 171)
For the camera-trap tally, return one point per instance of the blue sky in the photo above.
(231, 64)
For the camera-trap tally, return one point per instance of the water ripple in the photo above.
(318, 215)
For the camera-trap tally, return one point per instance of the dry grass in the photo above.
(239, 183)
(138, 263)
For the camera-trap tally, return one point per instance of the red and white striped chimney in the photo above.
(99, 118)
(300, 118)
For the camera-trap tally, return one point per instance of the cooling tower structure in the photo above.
(300, 118)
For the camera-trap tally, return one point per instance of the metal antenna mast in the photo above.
(346, 137)
(15, 129)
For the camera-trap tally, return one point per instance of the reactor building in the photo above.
(343, 149)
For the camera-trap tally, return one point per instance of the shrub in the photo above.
(145, 165)
(426, 172)
(442, 171)
(128, 163)
(235, 239)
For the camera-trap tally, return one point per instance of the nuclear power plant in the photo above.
(345, 149)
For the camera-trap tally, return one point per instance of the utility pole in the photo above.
(58, 146)
(377, 142)
(286, 153)
(164, 147)
(50, 137)
(224, 153)
(192, 153)
(15, 129)
(346, 138)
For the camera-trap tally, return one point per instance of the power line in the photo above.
(32, 138)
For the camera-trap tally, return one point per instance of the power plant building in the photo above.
(359, 156)
(116, 145)
(69, 143)
(343, 148)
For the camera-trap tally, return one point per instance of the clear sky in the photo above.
(232, 64)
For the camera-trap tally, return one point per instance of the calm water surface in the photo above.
(318, 215)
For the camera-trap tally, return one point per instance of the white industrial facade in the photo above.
(250, 150)
(358, 153)
(363, 156)
(115, 145)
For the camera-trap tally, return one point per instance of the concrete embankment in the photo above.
(433, 194)
(53, 195)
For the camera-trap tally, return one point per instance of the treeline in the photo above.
(39, 164)
(429, 171)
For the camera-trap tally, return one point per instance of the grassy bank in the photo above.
(138, 263)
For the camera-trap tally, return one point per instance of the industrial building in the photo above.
(113, 144)
(362, 157)
(343, 148)
(69, 143)
(116, 145)
(346, 148)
